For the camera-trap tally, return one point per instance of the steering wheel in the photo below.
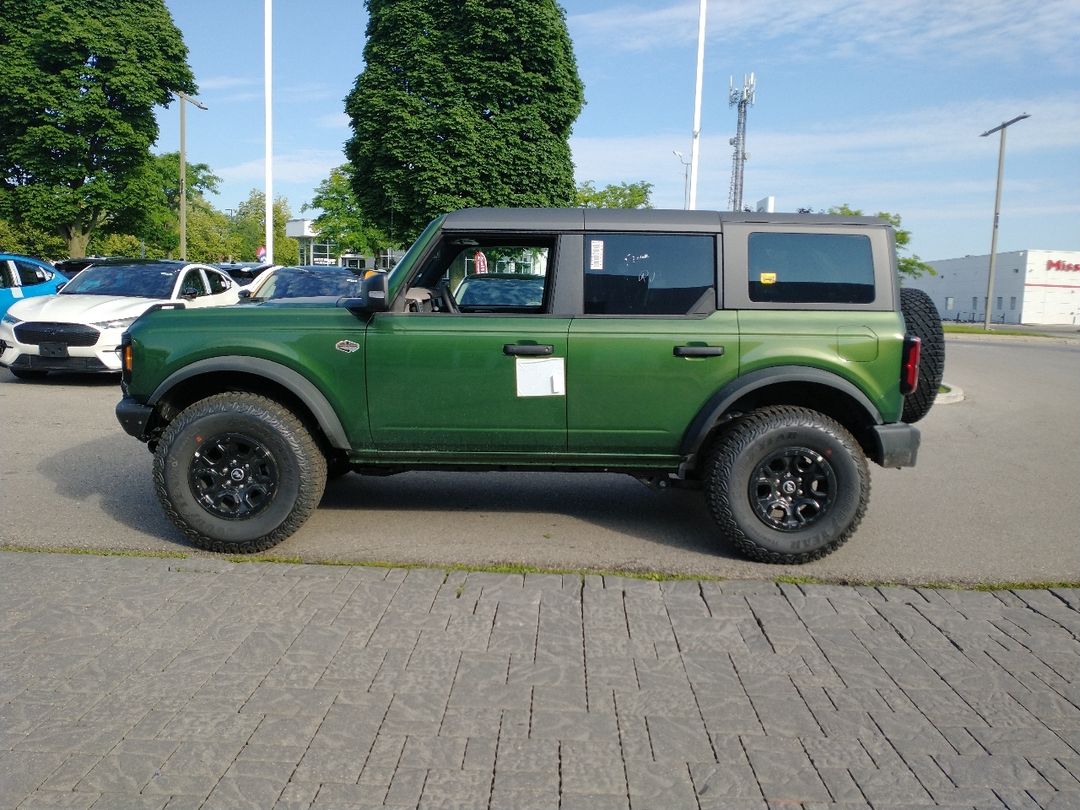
(447, 303)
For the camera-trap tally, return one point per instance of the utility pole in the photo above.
(743, 99)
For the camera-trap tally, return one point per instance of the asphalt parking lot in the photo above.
(990, 501)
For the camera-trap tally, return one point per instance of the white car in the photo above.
(79, 329)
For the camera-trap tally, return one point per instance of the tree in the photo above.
(462, 104)
(30, 241)
(341, 221)
(79, 80)
(160, 228)
(624, 195)
(249, 228)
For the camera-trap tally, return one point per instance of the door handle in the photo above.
(530, 350)
(698, 351)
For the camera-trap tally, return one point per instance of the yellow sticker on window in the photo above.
(768, 278)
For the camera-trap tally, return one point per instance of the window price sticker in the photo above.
(596, 254)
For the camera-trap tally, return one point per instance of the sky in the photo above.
(879, 106)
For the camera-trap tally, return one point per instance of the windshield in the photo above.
(135, 280)
(289, 282)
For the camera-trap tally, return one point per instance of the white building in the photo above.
(1030, 286)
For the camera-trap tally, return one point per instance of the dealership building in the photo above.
(1030, 286)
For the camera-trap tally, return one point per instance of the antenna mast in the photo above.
(743, 99)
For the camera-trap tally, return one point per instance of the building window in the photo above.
(1012, 303)
(975, 303)
(950, 303)
(1000, 304)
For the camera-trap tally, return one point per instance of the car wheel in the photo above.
(923, 320)
(238, 473)
(28, 374)
(787, 485)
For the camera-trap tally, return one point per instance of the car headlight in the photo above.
(116, 323)
(11, 319)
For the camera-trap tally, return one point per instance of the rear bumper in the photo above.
(897, 444)
(133, 417)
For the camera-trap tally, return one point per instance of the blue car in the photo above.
(23, 277)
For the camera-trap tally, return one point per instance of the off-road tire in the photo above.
(284, 447)
(924, 321)
(822, 455)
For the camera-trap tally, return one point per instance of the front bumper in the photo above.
(898, 444)
(134, 417)
(98, 358)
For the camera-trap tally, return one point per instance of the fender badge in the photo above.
(346, 346)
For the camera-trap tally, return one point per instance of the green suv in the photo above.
(762, 358)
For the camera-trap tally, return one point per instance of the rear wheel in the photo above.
(238, 473)
(787, 485)
(923, 320)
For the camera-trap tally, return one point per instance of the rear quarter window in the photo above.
(809, 268)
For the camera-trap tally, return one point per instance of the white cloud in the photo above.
(915, 29)
(305, 166)
(227, 83)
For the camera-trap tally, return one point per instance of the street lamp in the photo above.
(686, 177)
(997, 209)
(184, 97)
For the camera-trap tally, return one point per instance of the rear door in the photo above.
(652, 344)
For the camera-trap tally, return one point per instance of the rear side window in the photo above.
(810, 268)
(649, 274)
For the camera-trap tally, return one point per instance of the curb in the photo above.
(954, 394)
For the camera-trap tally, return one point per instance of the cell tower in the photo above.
(743, 99)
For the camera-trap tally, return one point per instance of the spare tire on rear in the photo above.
(923, 321)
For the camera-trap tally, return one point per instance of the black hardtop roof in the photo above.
(629, 219)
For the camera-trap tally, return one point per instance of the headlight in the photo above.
(11, 319)
(118, 323)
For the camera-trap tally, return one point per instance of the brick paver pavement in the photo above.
(200, 683)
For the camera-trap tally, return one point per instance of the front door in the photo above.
(485, 375)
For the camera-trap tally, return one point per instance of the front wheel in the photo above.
(787, 485)
(238, 473)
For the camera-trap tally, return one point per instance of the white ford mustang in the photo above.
(79, 329)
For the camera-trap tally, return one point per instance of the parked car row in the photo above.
(75, 324)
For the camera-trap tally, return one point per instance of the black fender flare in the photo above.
(299, 385)
(719, 403)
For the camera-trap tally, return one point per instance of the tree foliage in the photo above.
(249, 228)
(29, 241)
(160, 226)
(462, 103)
(79, 80)
(623, 195)
(341, 220)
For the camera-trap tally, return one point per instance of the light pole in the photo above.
(268, 111)
(686, 178)
(184, 99)
(997, 210)
(695, 143)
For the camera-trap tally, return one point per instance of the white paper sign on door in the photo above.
(541, 376)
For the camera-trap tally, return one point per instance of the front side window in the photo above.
(6, 279)
(193, 284)
(805, 268)
(484, 274)
(649, 274)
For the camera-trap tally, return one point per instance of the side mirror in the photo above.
(372, 296)
(244, 295)
(189, 295)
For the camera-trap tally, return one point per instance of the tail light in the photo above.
(909, 370)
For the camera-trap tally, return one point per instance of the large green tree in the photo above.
(462, 103)
(249, 229)
(160, 226)
(340, 219)
(79, 80)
